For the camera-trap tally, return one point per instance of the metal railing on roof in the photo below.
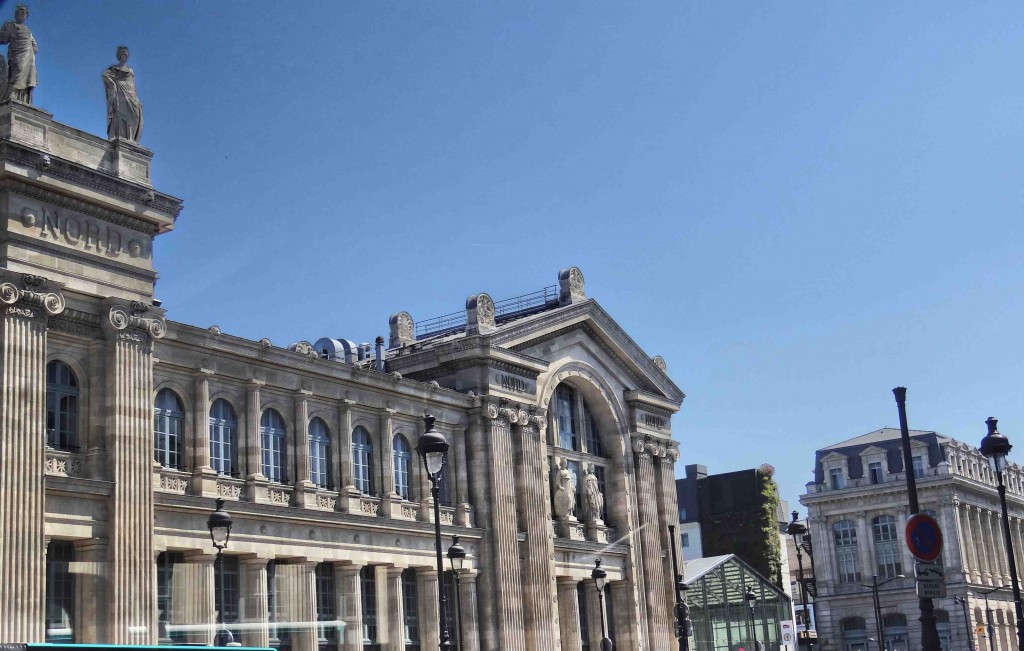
(504, 311)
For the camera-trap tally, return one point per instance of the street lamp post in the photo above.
(457, 556)
(433, 448)
(798, 530)
(995, 446)
(600, 576)
(682, 610)
(967, 620)
(219, 525)
(873, 587)
(751, 600)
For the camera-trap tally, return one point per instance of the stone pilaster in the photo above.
(540, 616)
(304, 494)
(659, 629)
(130, 331)
(387, 465)
(568, 613)
(345, 474)
(594, 632)
(350, 605)
(395, 611)
(91, 591)
(299, 597)
(668, 513)
(969, 535)
(991, 546)
(426, 600)
(26, 302)
(254, 603)
(503, 559)
(864, 547)
(463, 509)
(204, 478)
(253, 438)
(470, 626)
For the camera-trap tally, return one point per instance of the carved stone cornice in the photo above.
(30, 296)
(83, 177)
(74, 322)
(136, 322)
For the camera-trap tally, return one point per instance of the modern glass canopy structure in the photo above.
(720, 614)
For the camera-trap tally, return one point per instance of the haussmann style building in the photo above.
(120, 429)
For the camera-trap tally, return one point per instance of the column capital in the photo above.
(23, 293)
(566, 581)
(255, 383)
(303, 394)
(133, 322)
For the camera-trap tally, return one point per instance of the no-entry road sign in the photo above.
(924, 538)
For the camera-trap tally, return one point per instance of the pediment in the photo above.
(587, 326)
(872, 450)
(833, 456)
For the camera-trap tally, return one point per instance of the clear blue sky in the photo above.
(799, 204)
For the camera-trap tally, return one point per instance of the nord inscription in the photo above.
(81, 232)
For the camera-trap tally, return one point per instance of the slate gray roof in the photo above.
(880, 435)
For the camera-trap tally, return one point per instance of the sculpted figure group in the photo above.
(18, 79)
(565, 493)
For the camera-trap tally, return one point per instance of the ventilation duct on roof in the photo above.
(342, 350)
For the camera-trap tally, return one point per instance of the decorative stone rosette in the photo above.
(35, 296)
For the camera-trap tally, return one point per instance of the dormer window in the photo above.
(875, 472)
(835, 478)
(918, 462)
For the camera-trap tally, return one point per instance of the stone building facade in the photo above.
(857, 510)
(121, 428)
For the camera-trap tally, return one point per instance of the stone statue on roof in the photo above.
(124, 110)
(18, 76)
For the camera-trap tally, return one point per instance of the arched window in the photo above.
(274, 439)
(319, 453)
(223, 439)
(402, 459)
(362, 460)
(169, 421)
(887, 551)
(894, 630)
(844, 535)
(576, 441)
(855, 634)
(61, 406)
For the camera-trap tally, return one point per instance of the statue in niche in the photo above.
(565, 491)
(124, 110)
(20, 71)
(594, 500)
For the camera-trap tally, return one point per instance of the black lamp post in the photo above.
(873, 587)
(219, 525)
(751, 600)
(967, 620)
(433, 448)
(682, 610)
(797, 530)
(995, 446)
(457, 556)
(600, 577)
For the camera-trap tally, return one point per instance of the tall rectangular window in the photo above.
(875, 472)
(277, 605)
(581, 604)
(410, 608)
(686, 539)
(60, 591)
(918, 466)
(226, 593)
(223, 428)
(327, 634)
(274, 440)
(844, 535)
(368, 590)
(449, 594)
(887, 550)
(165, 605)
(565, 410)
(836, 478)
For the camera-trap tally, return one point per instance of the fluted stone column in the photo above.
(350, 605)
(91, 591)
(395, 611)
(864, 546)
(992, 542)
(204, 478)
(501, 577)
(196, 598)
(130, 331)
(659, 629)
(426, 600)
(980, 534)
(955, 525)
(969, 536)
(27, 301)
(1018, 552)
(470, 626)
(297, 594)
(907, 558)
(668, 513)
(568, 613)
(387, 466)
(254, 602)
(540, 616)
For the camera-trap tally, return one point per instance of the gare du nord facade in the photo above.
(122, 428)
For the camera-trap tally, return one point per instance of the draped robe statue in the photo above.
(565, 491)
(124, 110)
(593, 497)
(20, 71)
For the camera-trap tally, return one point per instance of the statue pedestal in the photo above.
(596, 531)
(569, 527)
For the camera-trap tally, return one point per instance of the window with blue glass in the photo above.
(223, 438)
(327, 633)
(319, 454)
(368, 594)
(167, 610)
(403, 458)
(62, 394)
(227, 593)
(274, 439)
(565, 411)
(362, 460)
(169, 421)
(410, 609)
(60, 591)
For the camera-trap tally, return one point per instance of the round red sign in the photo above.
(924, 538)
